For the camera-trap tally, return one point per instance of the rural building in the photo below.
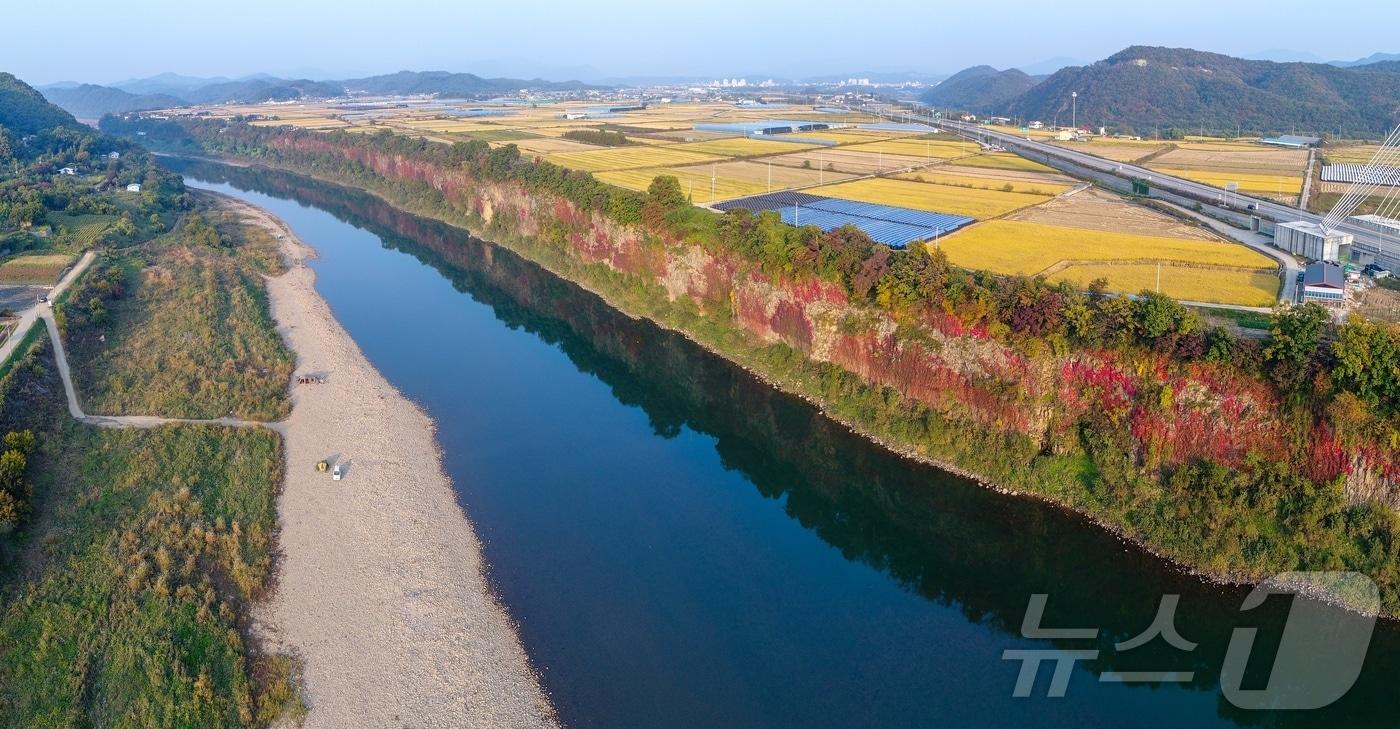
(1309, 240)
(67, 171)
(133, 187)
(1324, 283)
(1037, 125)
(1292, 141)
(763, 127)
(114, 155)
(1067, 135)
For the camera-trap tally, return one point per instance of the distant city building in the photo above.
(1309, 240)
(1292, 140)
(1324, 283)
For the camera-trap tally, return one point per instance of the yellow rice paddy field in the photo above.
(845, 136)
(1118, 150)
(843, 159)
(974, 203)
(1209, 285)
(742, 147)
(1003, 161)
(41, 270)
(623, 158)
(1350, 154)
(1248, 182)
(1026, 248)
(918, 148)
(937, 176)
(696, 182)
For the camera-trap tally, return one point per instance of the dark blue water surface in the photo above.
(683, 546)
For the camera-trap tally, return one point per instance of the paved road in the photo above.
(1365, 240)
(29, 316)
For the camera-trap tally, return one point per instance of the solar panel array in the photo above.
(1379, 174)
(894, 226)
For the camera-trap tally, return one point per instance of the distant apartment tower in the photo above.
(1311, 241)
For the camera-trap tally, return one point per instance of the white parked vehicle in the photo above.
(336, 474)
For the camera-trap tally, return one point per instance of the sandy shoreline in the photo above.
(381, 590)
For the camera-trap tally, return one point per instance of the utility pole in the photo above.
(1074, 109)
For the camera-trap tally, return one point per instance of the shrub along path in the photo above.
(126, 421)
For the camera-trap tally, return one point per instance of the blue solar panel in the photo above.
(895, 235)
(894, 226)
(770, 201)
(941, 222)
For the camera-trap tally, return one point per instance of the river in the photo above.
(683, 546)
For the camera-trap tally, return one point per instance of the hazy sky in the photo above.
(111, 40)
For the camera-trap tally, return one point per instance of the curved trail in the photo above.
(382, 591)
(75, 408)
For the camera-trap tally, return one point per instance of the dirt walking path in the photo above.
(381, 586)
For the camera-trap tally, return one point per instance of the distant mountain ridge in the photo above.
(446, 83)
(91, 101)
(1373, 58)
(979, 88)
(1146, 88)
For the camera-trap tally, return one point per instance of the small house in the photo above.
(133, 187)
(1324, 283)
(67, 171)
(1037, 125)
(114, 155)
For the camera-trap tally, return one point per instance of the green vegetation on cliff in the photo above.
(1244, 458)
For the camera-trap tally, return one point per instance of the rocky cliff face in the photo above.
(1174, 413)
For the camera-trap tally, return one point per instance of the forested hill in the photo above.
(979, 89)
(25, 111)
(1144, 88)
(90, 101)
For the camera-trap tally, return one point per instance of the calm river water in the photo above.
(683, 546)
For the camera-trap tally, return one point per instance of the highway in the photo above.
(1388, 251)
